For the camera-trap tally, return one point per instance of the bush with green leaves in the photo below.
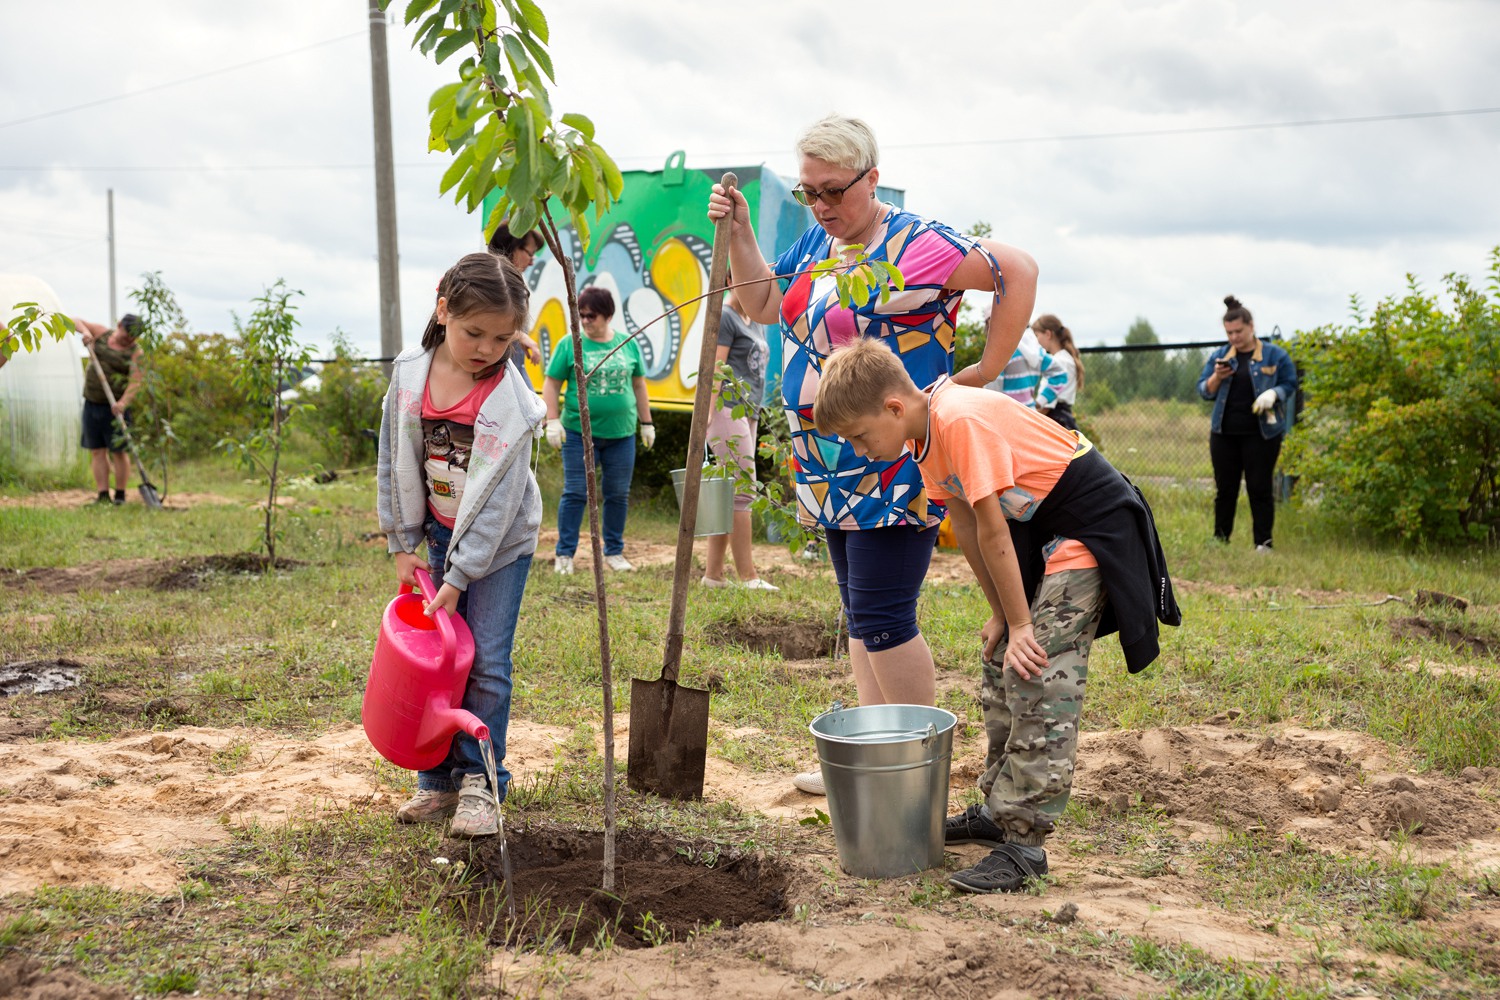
(1402, 427)
(346, 406)
(194, 392)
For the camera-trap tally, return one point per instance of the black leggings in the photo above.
(1254, 458)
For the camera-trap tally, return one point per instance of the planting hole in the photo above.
(39, 677)
(794, 639)
(665, 889)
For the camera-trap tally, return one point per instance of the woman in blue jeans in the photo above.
(617, 403)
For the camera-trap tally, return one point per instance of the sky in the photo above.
(238, 141)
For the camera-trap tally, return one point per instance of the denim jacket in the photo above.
(1270, 368)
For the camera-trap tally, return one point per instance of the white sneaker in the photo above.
(811, 783)
(619, 564)
(428, 806)
(563, 565)
(759, 584)
(476, 815)
(1264, 547)
(713, 584)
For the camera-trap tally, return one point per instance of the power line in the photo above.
(175, 83)
(1003, 141)
(1201, 129)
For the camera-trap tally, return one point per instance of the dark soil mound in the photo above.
(187, 573)
(665, 889)
(1417, 627)
(793, 638)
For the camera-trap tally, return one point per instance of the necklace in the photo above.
(863, 238)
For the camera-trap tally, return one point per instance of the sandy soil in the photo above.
(119, 813)
(53, 499)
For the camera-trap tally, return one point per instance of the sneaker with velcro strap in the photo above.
(973, 826)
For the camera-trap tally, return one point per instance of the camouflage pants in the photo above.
(1032, 725)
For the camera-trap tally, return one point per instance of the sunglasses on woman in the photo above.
(832, 197)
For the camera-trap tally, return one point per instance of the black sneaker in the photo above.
(1005, 869)
(972, 826)
(119, 497)
(103, 499)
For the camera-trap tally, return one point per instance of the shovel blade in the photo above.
(668, 739)
(149, 495)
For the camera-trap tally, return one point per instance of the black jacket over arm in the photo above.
(1095, 504)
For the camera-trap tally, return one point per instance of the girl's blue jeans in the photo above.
(616, 460)
(490, 607)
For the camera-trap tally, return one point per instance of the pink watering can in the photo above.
(417, 679)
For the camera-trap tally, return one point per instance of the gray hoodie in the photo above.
(501, 509)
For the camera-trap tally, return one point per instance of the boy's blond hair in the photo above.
(856, 382)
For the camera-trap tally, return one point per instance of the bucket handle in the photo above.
(444, 625)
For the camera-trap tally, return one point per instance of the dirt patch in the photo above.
(793, 638)
(53, 499)
(665, 889)
(1335, 790)
(39, 677)
(23, 979)
(187, 573)
(1417, 627)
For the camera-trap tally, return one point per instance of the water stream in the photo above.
(487, 754)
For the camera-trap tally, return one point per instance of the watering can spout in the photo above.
(442, 721)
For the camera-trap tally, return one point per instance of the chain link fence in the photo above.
(1140, 406)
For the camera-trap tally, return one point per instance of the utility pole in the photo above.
(114, 317)
(385, 189)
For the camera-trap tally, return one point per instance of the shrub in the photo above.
(194, 393)
(1402, 427)
(346, 406)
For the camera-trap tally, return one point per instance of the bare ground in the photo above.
(119, 813)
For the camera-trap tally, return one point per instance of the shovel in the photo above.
(148, 492)
(669, 722)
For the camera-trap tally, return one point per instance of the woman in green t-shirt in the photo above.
(617, 400)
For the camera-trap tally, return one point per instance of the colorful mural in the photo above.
(652, 251)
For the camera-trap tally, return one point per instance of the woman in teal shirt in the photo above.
(617, 401)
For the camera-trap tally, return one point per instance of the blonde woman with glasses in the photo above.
(879, 523)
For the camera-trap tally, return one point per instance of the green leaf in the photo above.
(520, 62)
(859, 290)
(461, 163)
(534, 19)
(613, 179)
(539, 55)
(451, 43)
(580, 122)
(416, 9)
(443, 96)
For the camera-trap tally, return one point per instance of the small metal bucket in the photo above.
(885, 768)
(715, 500)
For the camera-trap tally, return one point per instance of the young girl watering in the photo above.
(455, 439)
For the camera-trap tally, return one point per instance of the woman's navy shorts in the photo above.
(880, 573)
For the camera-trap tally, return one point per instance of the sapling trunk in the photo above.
(596, 543)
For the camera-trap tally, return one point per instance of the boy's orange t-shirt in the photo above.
(981, 442)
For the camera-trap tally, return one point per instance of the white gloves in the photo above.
(1265, 401)
(648, 436)
(555, 433)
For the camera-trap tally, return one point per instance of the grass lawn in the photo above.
(1189, 854)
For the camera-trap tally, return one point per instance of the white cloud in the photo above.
(1291, 220)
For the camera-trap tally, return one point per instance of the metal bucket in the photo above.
(715, 500)
(885, 768)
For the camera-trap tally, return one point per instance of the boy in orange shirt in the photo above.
(1064, 548)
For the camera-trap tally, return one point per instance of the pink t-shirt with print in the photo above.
(981, 443)
(447, 437)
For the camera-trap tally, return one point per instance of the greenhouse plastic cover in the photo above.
(41, 392)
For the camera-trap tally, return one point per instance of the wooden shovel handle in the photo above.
(697, 439)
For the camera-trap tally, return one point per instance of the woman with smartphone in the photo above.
(1250, 381)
